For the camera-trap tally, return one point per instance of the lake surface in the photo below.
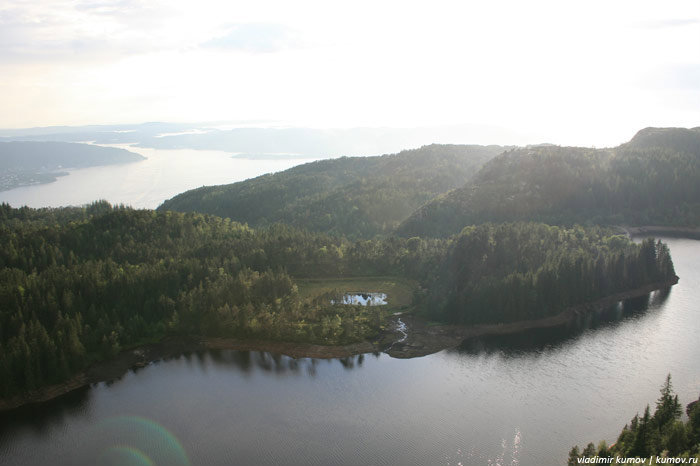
(511, 401)
(145, 184)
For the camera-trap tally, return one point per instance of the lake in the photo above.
(511, 401)
(145, 184)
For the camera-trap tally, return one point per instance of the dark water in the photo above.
(521, 400)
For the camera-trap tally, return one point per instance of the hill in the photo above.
(353, 196)
(653, 179)
(31, 162)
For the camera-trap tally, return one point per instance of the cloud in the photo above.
(668, 23)
(680, 77)
(70, 31)
(256, 38)
(684, 77)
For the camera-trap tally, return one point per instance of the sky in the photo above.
(576, 72)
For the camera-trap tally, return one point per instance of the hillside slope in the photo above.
(653, 179)
(356, 196)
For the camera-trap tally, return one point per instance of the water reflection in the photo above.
(42, 418)
(248, 362)
(538, 340)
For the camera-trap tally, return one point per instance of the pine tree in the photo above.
(640, 447)
(668, 407)
(574, 455)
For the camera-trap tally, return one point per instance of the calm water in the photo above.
(517, 401)
(145, 184)
(365, 299)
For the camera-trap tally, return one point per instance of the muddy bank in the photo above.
(424, 339)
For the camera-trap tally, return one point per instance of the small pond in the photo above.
(364, 299)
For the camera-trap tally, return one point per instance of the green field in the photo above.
(399, 291)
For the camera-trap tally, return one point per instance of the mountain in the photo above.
(32, 162)
(353, 196)
(652, 179)
(250, 140)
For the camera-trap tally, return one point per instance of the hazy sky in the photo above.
(570, 72)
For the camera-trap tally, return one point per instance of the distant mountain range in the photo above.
(267, 142)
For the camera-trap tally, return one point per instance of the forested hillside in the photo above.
(652, 180)
(355, 197)
(77, 285)
(524, 271)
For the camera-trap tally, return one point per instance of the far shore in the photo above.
(422, 339)
(660, 230)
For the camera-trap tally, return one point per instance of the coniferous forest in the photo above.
(357, 233)
(80, 284)
(357, 197)
(651, 180)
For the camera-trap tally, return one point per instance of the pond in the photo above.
(521, 400)
(364, 299)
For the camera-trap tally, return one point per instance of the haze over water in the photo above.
(512, 401)
(145, 184)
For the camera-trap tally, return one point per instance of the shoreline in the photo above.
(171, 347)
(422, 340)
(660, 230)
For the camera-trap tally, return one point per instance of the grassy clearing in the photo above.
(399, 291)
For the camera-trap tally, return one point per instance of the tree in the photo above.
(640, 447)
(574, 456)
(668, 407)
(589, 451)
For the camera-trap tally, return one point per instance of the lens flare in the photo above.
(124, 456)
(140, 441)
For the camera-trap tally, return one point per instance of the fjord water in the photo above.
(512, 401)
(147, 183)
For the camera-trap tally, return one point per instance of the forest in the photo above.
(357, 197)
(661, 434)
(78, 285)
(513, 272)
(438, 189)
(651, 180)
